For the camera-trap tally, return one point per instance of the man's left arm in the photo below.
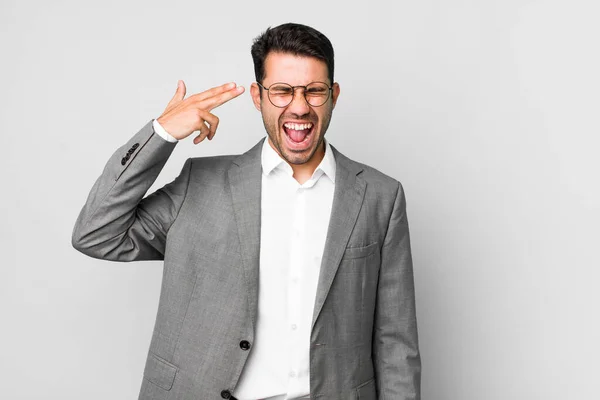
(395, 342)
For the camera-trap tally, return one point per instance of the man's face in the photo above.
(295, 132)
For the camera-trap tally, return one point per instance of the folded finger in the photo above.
(212, 120)
(204, 132)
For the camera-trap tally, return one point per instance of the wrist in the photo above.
(162, 132)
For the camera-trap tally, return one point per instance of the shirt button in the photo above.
(226, 394)
(294, 326)
(295, 279)
(292, 374)
(245, 345)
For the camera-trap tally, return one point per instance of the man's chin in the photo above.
(297, 157)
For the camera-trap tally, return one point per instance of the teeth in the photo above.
(298, 127)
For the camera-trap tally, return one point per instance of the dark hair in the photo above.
(296, 39)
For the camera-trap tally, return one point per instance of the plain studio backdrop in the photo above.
(486, 111)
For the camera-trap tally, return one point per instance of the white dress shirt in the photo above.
(294, 222)
(162, 132)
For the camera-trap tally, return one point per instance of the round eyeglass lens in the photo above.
(281, 94)
(316, 93)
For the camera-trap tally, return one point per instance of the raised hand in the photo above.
(184, 116)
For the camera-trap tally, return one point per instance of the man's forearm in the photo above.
(106, 226)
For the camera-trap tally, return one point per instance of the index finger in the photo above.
(212, 91)
(218, 99)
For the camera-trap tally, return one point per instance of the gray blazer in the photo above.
(205, 225)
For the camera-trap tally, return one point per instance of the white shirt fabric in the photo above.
(162, 132)
(294, 223)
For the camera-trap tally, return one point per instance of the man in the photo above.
(287, 269)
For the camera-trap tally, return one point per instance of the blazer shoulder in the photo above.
(375, 179)
(221, 164)
(375, 176)
(216, 164)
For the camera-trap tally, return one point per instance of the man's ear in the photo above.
(335, 93)
(255, 93)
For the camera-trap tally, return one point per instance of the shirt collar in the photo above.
(271, 161)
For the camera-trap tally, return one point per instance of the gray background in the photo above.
(487, 111)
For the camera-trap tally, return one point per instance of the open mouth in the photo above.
(298, 134)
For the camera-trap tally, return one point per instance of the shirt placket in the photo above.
(298, 242)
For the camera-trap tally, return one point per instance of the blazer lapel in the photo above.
(347, 200)
(245, 183)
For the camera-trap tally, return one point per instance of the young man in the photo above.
(287, 269)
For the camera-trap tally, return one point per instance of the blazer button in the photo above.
(226, 394)
(245, 345)
(123, 161)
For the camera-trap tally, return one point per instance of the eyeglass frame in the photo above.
(329, 92)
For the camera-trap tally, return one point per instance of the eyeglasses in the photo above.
(281, 94)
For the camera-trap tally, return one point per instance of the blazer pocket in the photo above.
(360, 252)
(160, 372)
(366, 391)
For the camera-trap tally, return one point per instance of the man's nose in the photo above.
(299, 105)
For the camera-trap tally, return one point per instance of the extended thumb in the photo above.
(180, 92)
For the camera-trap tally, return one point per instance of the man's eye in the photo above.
(281, 91)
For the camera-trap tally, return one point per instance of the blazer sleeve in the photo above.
(117, 223)
(396, 354)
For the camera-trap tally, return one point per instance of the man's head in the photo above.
(296, 55)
